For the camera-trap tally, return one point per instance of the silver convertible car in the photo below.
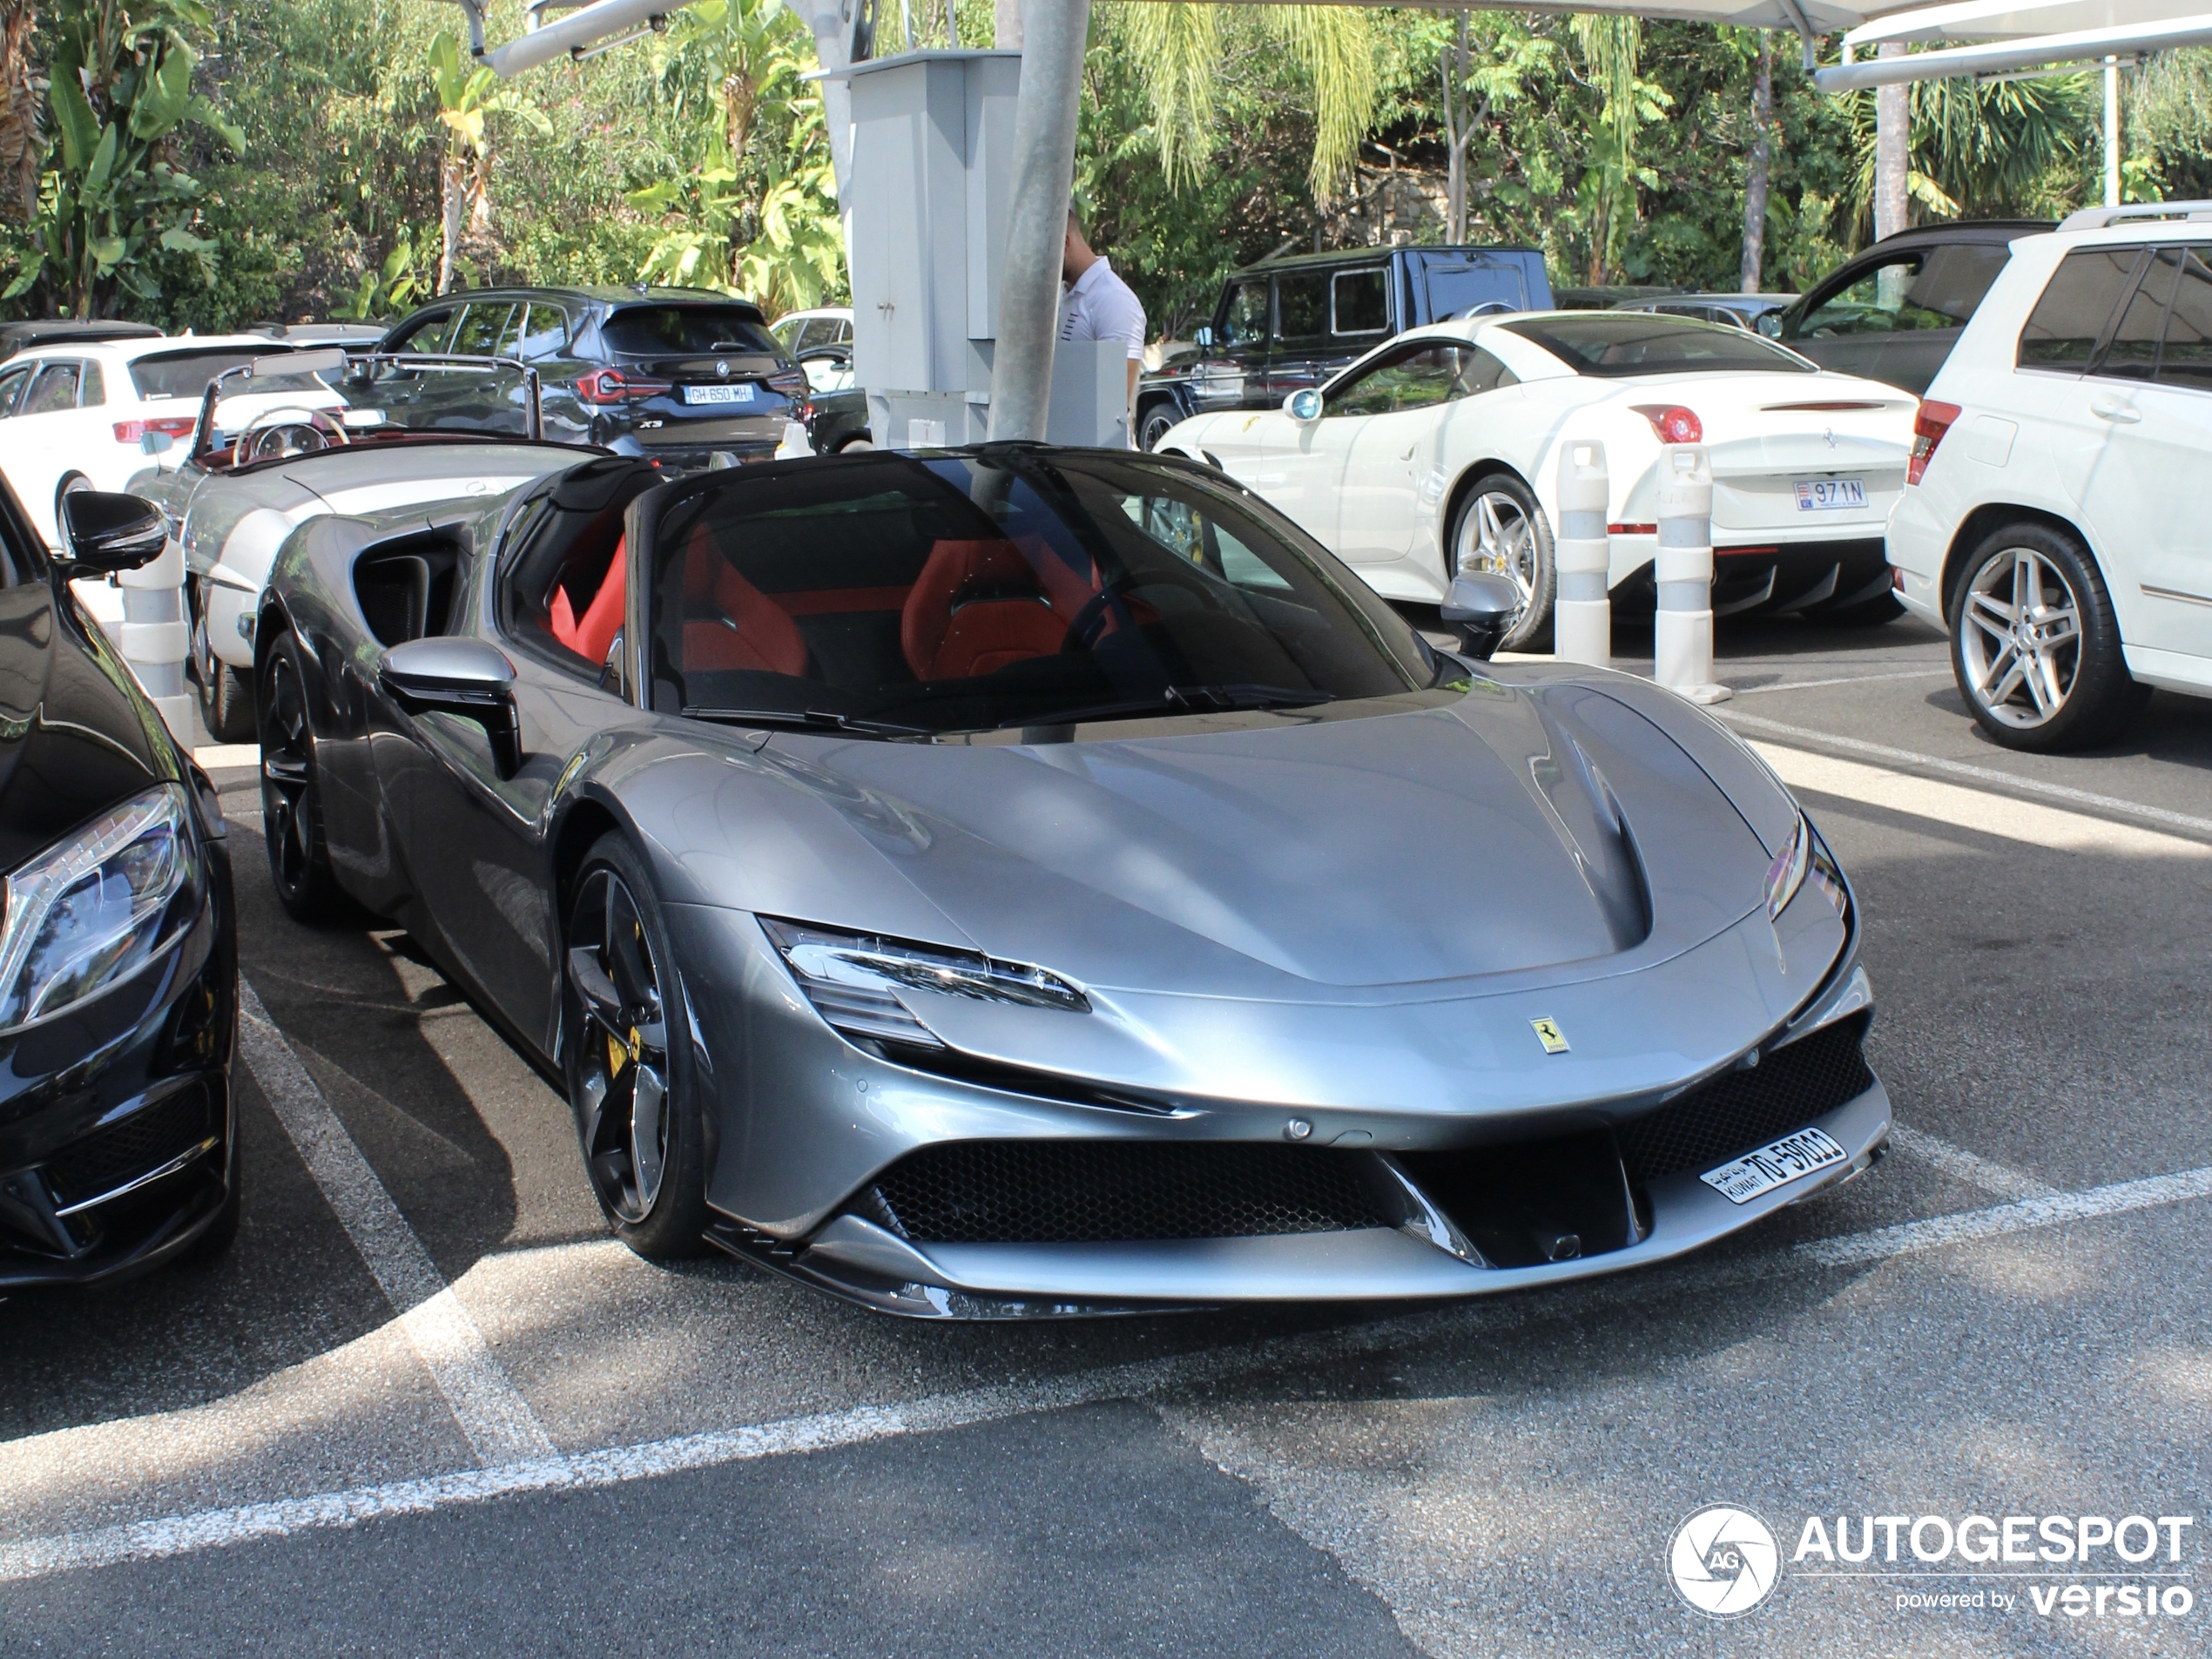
(1030, 881)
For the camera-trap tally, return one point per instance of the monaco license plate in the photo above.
(741, 393)
(1830, 495)
(1791, 1159)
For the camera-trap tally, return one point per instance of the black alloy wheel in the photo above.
(1154, 424)
(291, 800)
(225, 704)
(629, 1084)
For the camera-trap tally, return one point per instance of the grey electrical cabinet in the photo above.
(932, 178)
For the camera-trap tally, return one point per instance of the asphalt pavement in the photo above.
(426, 1404)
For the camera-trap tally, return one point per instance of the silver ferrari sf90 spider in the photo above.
(1033, 881)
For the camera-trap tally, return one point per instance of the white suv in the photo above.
(2057, 517)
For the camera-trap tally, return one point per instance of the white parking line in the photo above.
(497, 1421)
(1979, 774)
(182, 1535)
(1956, 1161)
(1845, 679)
(1982, 810)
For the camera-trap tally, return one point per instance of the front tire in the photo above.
(1154, 424)
(628, 1060)
(291, 793)
(1499, 528)
(2034, 645)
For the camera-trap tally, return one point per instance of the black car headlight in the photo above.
(853, 980)
(98, 906)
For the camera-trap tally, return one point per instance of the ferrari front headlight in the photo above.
(98, 906)
(853, 981)
(1787, 873)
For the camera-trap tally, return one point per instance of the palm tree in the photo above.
(1177, 48)
(1982, 151)
(23, 138)
(1611, 43)
(469, 95)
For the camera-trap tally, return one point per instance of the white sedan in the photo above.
(1439, 452)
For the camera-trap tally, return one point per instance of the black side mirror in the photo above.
(464, 677)
(1482, 606)
(107, 533)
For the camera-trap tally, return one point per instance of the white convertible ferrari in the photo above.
(1439, 452)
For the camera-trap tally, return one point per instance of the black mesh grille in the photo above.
(1741, 1111)
(144, 1141)
(1089, 1192)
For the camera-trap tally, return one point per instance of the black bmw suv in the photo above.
(685, 376)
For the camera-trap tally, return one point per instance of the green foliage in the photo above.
(111, 200)
(756, 212)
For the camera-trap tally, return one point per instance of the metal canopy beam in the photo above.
(1997, 58)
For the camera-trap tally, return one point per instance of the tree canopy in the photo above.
(211, 163)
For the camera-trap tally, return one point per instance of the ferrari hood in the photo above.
(1513, 829)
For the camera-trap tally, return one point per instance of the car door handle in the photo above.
(2110, 409)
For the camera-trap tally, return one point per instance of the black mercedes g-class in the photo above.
(1284, 324)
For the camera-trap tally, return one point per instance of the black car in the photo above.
(118, 952)
(684, 376)
(1286, 324)
(22, 336)
(1893, 312)
(839, 418)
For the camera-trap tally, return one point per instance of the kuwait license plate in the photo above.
(1830, 495)
(1743, 1179)
(741, 393)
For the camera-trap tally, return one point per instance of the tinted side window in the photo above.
(1302, 306)
(1243, 320)
(1359, 302)
(12, 382)
(2187, 357)
(430, 335)
(481, 327)
(545, 333)
(2132, 354)
(1421, 376)
(2063, 330)
(92, 392)
(55, 388)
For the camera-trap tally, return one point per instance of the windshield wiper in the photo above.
(811, 719)
(1179, 699)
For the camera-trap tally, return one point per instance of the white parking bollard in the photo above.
(153, 640)
(1681, 633)
(1582, 558)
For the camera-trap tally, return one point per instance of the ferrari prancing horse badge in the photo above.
(1550, 1035)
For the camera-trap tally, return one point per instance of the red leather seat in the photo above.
(590, 635)
(976, 607)
(728, 623)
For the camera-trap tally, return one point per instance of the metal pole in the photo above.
(1053, 35)
(2112, 132)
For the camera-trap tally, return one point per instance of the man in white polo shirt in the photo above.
(1098, 305)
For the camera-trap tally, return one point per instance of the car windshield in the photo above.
(186, 374)
(649, 331)
(1620, 344)
(288, 404)
(1003, 588)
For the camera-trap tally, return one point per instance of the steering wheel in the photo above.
(1089, 622)
(280, 433)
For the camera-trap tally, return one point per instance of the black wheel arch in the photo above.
(1985, 521)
